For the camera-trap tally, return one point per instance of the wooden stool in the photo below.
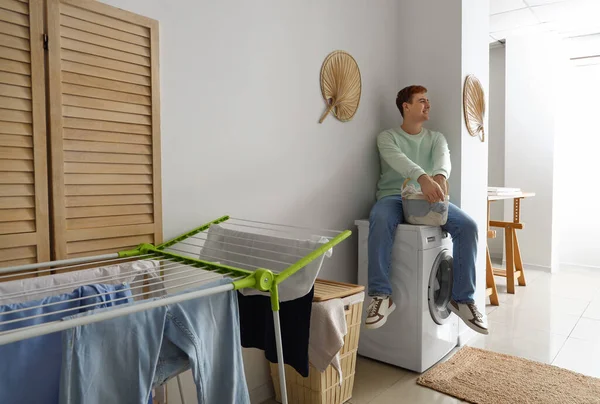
(514, 262)
(490, 290)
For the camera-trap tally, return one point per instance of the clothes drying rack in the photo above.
(181, 269)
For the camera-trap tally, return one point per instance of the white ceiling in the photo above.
(573, 19)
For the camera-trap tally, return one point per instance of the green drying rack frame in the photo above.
(261, 279)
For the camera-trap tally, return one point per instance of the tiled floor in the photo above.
(554, 319)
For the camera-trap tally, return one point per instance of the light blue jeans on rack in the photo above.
(30, 368)
(387, 214)
(120, 360)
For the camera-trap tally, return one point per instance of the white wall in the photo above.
(240, 102)
(531, 105)
(496, 140)
(578, 144)
(474, 153)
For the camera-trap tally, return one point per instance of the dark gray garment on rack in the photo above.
(256, 326)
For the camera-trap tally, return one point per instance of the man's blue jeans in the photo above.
(387, 214)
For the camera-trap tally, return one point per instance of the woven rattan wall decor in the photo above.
(474, 107)
(341, 85)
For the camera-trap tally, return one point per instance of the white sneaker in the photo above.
(379, 310)
(469, 314)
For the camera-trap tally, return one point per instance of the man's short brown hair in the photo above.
(406, 94)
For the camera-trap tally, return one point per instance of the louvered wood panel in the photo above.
(14, 263)
(16, 165)
(15, 54)
(105, 139)
(112, 244)
(24, 228)
(116, 210)
(14, 79)
(109, 200)
(108, 221)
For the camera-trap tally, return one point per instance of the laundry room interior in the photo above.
(298, 202)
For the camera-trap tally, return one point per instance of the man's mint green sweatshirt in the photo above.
(410, 156)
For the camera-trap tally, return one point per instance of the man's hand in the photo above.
(442, 182)
(431, 189)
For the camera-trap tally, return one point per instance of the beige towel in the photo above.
(327, 331)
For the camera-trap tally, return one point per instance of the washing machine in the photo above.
(421, 330)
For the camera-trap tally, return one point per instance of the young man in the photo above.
(412, 151)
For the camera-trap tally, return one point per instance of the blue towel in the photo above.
(30, 369)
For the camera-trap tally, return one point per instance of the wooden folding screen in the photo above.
(105, 128)
(23, 150)
(89, 181)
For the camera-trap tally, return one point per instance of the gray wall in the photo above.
(241, 99)
(432, 57)
(240, 102)
(496, 140)
(439, 49)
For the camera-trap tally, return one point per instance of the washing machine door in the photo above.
(440, 287)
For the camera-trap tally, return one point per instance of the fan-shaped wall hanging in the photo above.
(474, 107)
(340, 85)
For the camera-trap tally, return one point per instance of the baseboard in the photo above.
(533, 266)
(580, 266)
(539, 267)
(262, 393)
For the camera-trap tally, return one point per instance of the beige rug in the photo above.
(486, 377)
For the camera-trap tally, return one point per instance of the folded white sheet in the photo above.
(247, 250)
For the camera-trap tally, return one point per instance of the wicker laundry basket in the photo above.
(324, 388)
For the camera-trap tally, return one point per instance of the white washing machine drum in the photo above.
(440, 287)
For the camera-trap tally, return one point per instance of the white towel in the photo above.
(127, 272)
(327, 331)
(353, 299)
